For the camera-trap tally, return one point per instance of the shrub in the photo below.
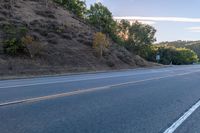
(78, 7)
(12, 43)
(100, 42)
(185, 56)
(13, 47)
(33, 48)
(17, 41)
(169, 54)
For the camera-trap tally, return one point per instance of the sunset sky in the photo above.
(173, 19)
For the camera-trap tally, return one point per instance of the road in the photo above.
(157, 100)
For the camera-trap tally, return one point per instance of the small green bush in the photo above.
(12, 40)
(13, 47)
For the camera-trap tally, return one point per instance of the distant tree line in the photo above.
(193, 45)
(169, 54)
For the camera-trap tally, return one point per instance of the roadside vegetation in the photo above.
(169, 55)
(136, 37)
(192, 45)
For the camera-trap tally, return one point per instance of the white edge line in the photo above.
(83, 79)
(55, 82)
(83, 91)
(176, 124)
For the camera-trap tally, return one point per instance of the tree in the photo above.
(101, 17)
(168, 54)
(141, 35)
(100, 42)
(185, 56)
(123, 29)
(78, 7)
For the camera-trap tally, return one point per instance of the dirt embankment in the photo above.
(64, 42)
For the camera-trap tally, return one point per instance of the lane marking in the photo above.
(81, 79)
(180, 121)
(90, 78)
(84, 91)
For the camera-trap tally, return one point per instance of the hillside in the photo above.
(63, 42)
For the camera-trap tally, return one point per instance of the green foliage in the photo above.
(185, 56)
(169, 54)
(141, 34)
(195, 47)
(13, 46)
(148, 52)
(101, 17)
(136, 36)
(78, 7)
(12, 43)
(14, 32)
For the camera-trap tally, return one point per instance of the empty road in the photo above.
(156, 100)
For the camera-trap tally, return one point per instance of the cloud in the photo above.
(143, 21)
(193, 29)
(147, 22)
(97, 1)
(170, 19)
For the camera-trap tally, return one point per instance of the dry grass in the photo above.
(64, 42)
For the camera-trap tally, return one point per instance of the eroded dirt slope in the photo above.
(65, 42)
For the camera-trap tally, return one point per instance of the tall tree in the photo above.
(141, 34)
(123, 29)
(78, 7)
(101, 17)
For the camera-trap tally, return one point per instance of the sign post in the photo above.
(157, 58)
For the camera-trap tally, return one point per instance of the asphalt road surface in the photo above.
(159, 100)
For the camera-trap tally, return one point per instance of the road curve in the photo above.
(131, 101)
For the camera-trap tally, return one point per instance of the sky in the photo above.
(173, 19)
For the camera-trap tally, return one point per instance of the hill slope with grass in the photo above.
(36, 38)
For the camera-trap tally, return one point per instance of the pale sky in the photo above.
(173, 19)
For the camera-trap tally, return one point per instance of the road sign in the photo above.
(157, 57)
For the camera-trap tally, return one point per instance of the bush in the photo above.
(13, 47)
(148, 52)
(17, 41)
(78, 7)
(169, 54)
(33, 48)
(100, 42)
(185, 56)
(12, 44)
